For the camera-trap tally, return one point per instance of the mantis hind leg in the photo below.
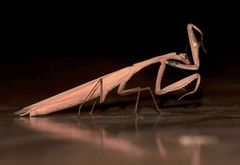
(89, 96)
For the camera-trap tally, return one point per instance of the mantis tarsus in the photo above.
(102, 85)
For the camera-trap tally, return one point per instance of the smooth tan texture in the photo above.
(102, 85)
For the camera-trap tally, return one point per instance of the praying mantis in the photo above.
(100, 87)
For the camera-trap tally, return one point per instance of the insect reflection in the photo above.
(165, 147)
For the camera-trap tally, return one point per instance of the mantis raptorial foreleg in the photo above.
(190, 79)
(177, 85)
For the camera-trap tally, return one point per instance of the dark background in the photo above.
(48, 50)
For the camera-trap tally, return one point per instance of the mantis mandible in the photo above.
(101, 86)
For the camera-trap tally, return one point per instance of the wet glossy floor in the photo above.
(199, 131)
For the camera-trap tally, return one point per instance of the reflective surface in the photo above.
(195, 131)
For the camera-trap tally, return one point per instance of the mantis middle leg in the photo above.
(122, 91)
